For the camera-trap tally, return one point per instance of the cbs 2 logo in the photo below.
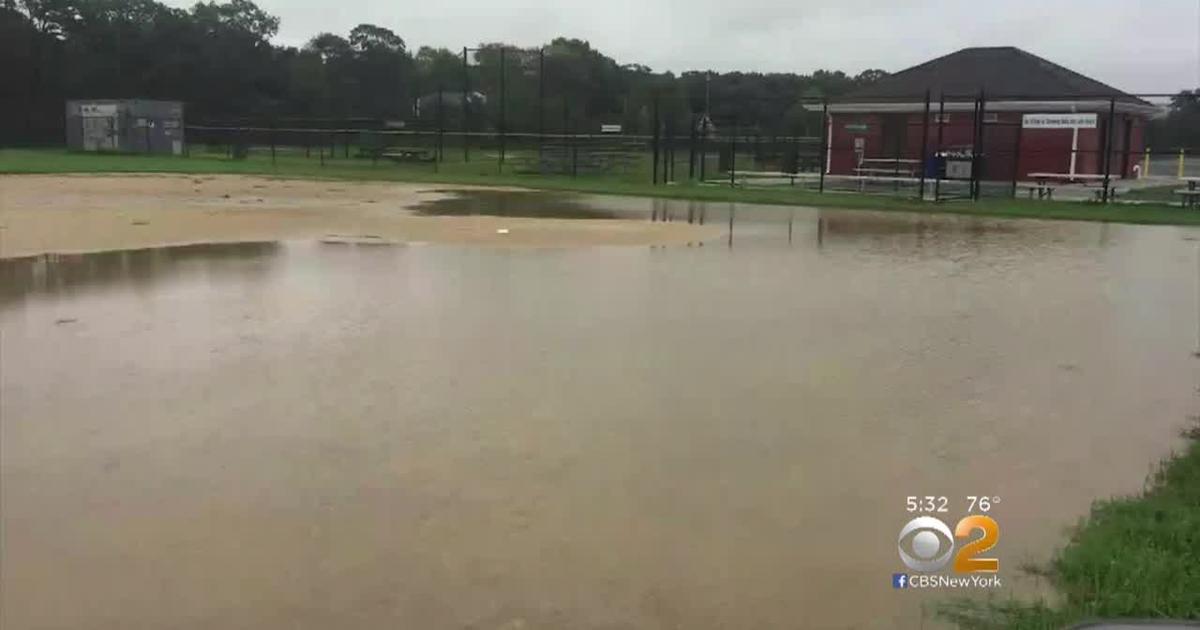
(926, 555)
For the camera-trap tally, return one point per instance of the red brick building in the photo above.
(1038, 117)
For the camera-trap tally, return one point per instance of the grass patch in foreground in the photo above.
(1133, 557)
(483, 172)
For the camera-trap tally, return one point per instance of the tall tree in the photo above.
(218, 57)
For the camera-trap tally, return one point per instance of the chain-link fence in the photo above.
(512, 112)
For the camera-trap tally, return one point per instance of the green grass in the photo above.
(483, 171)
(1163, 194)
(1133, 557)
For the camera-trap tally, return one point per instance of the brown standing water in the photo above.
(297, 435)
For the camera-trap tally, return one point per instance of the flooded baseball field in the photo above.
(720, 434)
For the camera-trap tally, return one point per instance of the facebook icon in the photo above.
(899, 580)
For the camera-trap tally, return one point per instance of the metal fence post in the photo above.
(1017, 158)
(796, 131)
(980, 160)
(669, 149)
(654, 148)
(1181, 153)
(567, 140)
(500, 165)
(703, 145)
(826, 147)
(691, 148)
(1108, 145)
(441, 134)
(937, 167)
(466, 108)
(1146, 163)
(896, 158)
(574, 142)
(541, 101)
(924, 148)
(974, 148)
(733, 162)
(672, 130)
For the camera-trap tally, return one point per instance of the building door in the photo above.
(100, 133)
(893, 135)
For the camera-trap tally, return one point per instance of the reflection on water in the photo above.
(305, 436)
(50, 273)
(514, 203)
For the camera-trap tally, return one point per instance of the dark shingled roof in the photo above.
(1003, 71)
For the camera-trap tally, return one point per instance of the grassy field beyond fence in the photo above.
(484, 170)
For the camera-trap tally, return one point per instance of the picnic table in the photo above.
(1189, 196)
(1045, 189)
(407, 154)
(888, 166)
(910, 161)
(861, 170)
(791, 177)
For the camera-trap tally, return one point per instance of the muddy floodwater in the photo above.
(723, 435)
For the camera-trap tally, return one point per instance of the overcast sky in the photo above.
(1135, 45)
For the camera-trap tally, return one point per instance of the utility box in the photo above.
(126, 125)
(958, 169)
(957, 163)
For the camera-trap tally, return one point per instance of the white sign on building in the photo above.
(1059, 121)
(103, 110)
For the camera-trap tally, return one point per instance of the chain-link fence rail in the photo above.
(623, 156)
(510, 114)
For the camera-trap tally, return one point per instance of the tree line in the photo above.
(220, 60)
(1180, 127)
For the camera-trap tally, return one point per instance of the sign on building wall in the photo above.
(1059, 121)
(103, 110)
